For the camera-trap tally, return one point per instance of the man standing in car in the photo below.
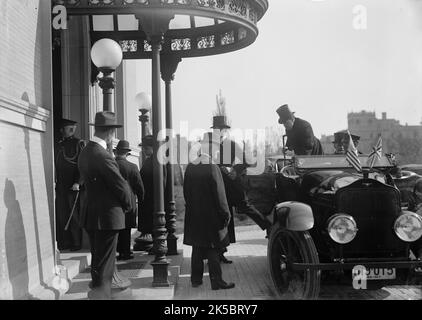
(300, 136)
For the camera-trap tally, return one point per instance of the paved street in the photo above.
(251, 275)
(249, 272)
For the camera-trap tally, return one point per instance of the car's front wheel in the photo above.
(284, 248)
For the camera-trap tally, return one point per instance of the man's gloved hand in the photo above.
(75, 187)
(289, 153)
(232, 174)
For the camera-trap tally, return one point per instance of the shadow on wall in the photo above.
(29, 120)
(16, 251)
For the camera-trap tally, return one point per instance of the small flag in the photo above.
(375, 154)
(352, 155)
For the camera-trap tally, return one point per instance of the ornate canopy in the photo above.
(199, 27)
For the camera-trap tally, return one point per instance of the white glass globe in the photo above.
(106, 53)
(143, 100)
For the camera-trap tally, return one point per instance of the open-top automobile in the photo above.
(331, 222)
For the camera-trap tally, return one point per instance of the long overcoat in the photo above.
(146, 207)
(130, 173)
(107, 192)
(207, 213)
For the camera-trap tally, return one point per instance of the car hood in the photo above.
(328, 182)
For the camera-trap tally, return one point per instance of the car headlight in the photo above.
(342, 228)
(408, 226)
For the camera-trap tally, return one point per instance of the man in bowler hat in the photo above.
(207, 215)
(130, 173)
(300, 136)
(108, 197)
(68, 150)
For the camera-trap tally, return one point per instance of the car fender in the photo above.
(294, 216)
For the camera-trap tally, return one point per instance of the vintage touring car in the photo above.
(330, 222)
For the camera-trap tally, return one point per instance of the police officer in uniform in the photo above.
(67, 187)
(341, 141)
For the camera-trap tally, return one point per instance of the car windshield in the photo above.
(337, 162)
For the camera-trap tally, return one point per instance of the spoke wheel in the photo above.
(284, 248)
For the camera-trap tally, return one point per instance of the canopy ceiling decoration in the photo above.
(199, 27)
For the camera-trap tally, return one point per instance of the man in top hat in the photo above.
(130, 173)
(146, 208)
(341, 141)
(108, 197)
(68, 150)
(300, 136)
(207, 215)
(230, 152)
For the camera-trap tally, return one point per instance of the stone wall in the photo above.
(27, 251)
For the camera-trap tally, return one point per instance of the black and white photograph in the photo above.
(210, 157)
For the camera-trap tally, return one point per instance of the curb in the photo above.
(141, 277)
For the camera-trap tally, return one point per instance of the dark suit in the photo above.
(67, 174)
(206, 218)
(146, 208)
(301, 139)
(235, 192)
(130, 173)
(107, 198)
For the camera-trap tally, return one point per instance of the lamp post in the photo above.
(155, 27)
(107, 55)
(169, 64)
(143, 101)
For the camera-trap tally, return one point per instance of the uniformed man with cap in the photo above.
(300, 136)
(341, 141)
(67, 187)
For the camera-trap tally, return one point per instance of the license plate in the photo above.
(380, 273)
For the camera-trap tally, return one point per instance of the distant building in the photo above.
(327, 144)
(369, 127)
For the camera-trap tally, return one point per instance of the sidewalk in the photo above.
(249, 271)
(138, 270)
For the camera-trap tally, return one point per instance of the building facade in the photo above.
(27, 243)
(46, 76)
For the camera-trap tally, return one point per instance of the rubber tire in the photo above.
(306, 247)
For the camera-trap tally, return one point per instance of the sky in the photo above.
(310, 55)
